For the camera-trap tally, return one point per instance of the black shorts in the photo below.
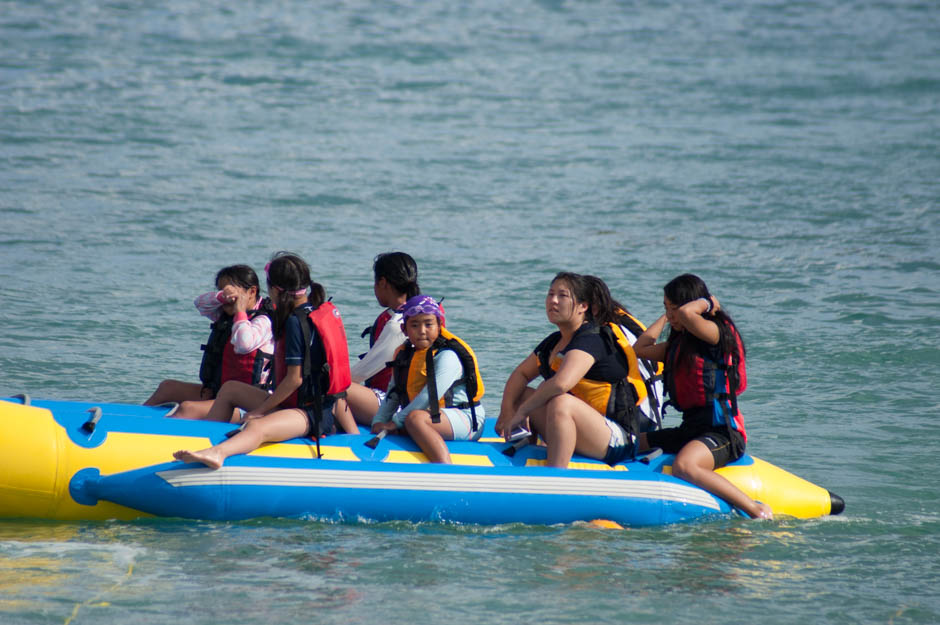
(326, 420)
(726, 445)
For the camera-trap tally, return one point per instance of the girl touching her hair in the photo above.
(705, 371)
(239, 347)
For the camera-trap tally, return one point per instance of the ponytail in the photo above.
(317, 294)
(290, 273)
(603, 306)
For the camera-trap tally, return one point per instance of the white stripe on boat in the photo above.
(453, 482)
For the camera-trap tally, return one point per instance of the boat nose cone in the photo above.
(837, 504)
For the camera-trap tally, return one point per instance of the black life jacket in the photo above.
(407, 369)
(615, 400)
(328, 377)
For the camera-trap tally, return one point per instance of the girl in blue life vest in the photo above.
(436, 389)
(396, 280)
(239, 346)
(705, 371)
(581, 403)
(289, 411)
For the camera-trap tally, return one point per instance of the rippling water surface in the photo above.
(787, 152)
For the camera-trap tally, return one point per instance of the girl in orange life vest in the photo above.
(243, 356)
(456, 382)
(274, 417)
(396, 280)
(607, 310)
(580, 358)
(703, 344)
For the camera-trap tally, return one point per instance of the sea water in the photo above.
(787, 152)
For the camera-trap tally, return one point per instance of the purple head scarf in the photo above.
(422, 305)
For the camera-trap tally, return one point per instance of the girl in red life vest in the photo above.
(276, 416)
(396, 280)
(238, 348)
(704, 370)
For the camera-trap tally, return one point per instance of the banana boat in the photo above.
(78, 461)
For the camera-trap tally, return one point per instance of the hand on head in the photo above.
(236, 297)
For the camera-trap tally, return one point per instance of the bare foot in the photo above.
(763, 512)
(208, 457)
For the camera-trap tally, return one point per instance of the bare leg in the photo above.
(344, 417)
(430, 436)
(197, 410)
(362, 403)
(234, 395)
(695, 464)
(572, 425)
(174, 390)
(275, 427)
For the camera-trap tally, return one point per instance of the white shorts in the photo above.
(461, 422)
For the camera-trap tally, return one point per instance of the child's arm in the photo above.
(574, 365)
(288, 385)
(249, 335)
(447, 370)
(387, 408)
(209, 304)
(691, 314)
(518, 381)
(646, 346)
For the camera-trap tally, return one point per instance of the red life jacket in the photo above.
(700, 382)
(245, 368)
(330, 378)
(325, 373)
(220, 362)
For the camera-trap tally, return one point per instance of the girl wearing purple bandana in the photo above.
(435, 396)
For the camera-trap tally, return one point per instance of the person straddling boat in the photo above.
(396, 279)
(704, 359)
(436, 391)
(309, 335)
(648, 386)
(240, 343)
(584, 403)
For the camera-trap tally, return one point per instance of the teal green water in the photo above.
(787, 152)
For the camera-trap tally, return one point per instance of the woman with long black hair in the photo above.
(705, 371)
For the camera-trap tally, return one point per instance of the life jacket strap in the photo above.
(434, 403)
(653, 399)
